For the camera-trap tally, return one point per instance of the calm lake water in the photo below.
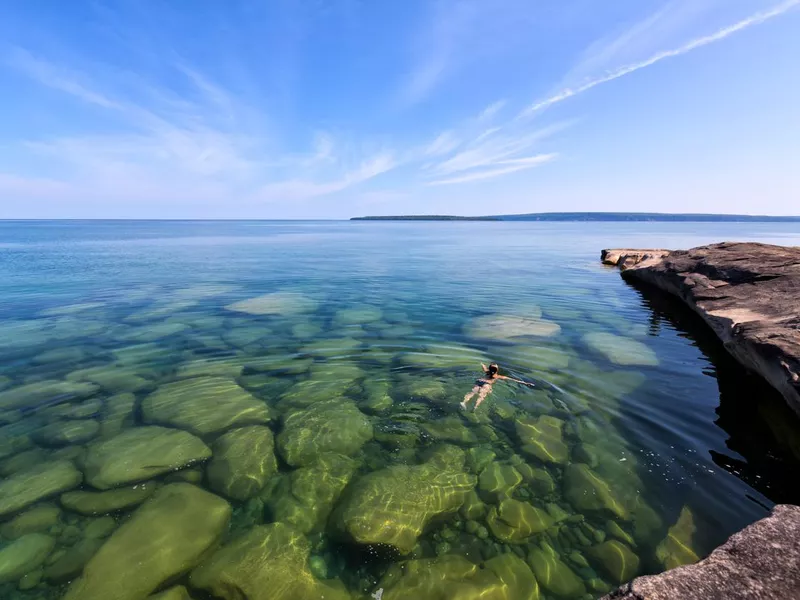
(310, 374)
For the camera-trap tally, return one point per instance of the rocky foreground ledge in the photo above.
(761, 562)
(748, 293)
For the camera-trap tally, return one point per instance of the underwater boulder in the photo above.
(269, 562)
(543, 438)
(328, 426)
(243, 460)
(305, 497)
(621, 350)
(165, 537)
(553, 574)
(676, 548)
(616, 560)
(587, 491)
(276, 303)
(498, 481)
(34, 520)
(510, 328)
(33, 394)
(90, 503)
(204, 405)
(37, 483)
(141, 453)
(24, 555)
(66, 433)
(513, 521)
(393, 505)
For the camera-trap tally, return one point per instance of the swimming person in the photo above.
(483, 386)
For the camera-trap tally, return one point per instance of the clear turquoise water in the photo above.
(669, 426)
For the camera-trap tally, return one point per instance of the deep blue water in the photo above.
(675, 424)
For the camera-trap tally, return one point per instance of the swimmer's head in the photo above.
(493, 369)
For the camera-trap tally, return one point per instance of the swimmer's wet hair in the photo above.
(493, 368)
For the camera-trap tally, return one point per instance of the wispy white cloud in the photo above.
(444, 143)
(490, 111)
(511, 166)
(721, 34)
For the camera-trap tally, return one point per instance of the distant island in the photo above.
(594, 216)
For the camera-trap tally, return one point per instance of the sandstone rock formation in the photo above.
(748, 293)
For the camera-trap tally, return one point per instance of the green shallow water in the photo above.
(271, 410)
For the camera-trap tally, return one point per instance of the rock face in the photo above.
(102, 503)
(164, 538)
(749, 294)
(141, 453)
(758, 563)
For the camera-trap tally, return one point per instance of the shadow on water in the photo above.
(763, 433)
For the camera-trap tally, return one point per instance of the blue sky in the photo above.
(336, 108)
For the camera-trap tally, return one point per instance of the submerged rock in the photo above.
(510, 327)
(141, 453)
(445, 357)
(34, 520)
(204, 405)
(504, 577)
(65, 433)
(270, 562)
(37, 483)
(276, 303)
(543, 438)
(102, 503)
(621, 350)
(514, 521)
(378, 399)
(676, 549)
(113, 377)
(393, 505)
(329, 426)
(357, 316)
(164, 538)
(243, 460)
(450, 429)
(586, 491)
(498, 481)
(305, 497)
(33, 394)
(117, 415)
(24, 555)
(70, 564)
(553, 574)
(615, 559)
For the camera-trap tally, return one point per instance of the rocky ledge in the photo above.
(758, 563)
(748, 293)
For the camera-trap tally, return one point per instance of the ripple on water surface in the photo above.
(227, 440)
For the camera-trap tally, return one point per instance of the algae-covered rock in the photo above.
(117, 414)
(65, 433)
(615, 559)
(141, 453)
(243, 461)
(66, 355)
(450, 577)
(479, 457)
(164, 538)
(329, 426)
(614, 530)
(621, 350)
(33, 520)
(102, 503)
(276, 303)
(498, 481)
(473, 507)
(445, 357)
(393, 505)
(553, 574)
(33, 394)
(270, 562)
(543, 438)
(305, 497)
(99, 528)
(113, 377)
(24, 555)
(676, 549)
(207, 367)
(510, 327)
(87, 409)
(377, 399)
(204, 405)
(42, 481)
(586, 491)
(332, 348)
(357, 316)
(514, 521)
(174, 593)
(70, 563)
(450, 429)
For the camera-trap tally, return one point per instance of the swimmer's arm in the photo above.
(516, 380)
(485, 368)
